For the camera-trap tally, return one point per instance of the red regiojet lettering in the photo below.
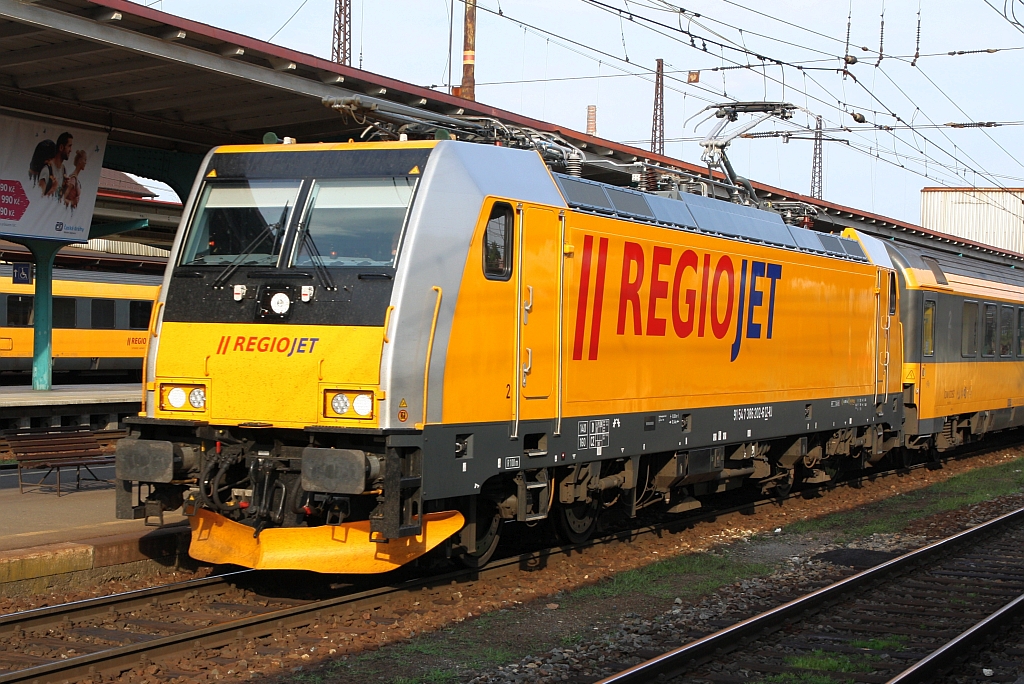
(629, 290)
(682, 327)
(595, 325)
(581, 304)
(706, 272)
(659, 290)
(721, 326)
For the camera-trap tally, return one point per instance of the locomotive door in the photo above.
(540, 257)
(885, 306)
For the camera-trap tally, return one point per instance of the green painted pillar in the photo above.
(44, 252)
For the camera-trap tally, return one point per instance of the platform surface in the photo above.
(66, 395)
(38, 517)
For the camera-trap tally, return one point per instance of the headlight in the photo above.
(348, 404)
(363, 405)
(175, 397)
(197, 398)
(340, 404)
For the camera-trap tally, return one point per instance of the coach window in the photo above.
(928, 329)
(933, 266)
(104, 314)
(65, 314)
(1006, 331)
(1020, 332)
(988, 347)
(19, 311)
(969, 330)
(498, 242)
(138, 314)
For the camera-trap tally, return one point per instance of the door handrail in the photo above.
(430, 351)
(561, 311)
(519, 325)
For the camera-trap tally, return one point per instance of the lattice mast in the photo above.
(658, 124)
(816, 161)
(341, 51)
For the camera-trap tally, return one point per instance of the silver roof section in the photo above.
(876, 250)
(702, 214)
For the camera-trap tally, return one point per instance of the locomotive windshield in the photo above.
(240, 221)
(354, 221)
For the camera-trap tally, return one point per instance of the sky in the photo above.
(549, 59)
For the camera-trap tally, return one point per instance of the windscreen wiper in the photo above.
(317, 260)
(271, 229)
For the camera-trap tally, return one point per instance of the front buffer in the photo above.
(254, 500)
(345, 548)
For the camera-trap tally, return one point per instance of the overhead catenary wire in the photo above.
(1013, 22)
(977, 170)
(839, 104)
(659, 27)
(581, 49)
(908, 58)
(288, 21)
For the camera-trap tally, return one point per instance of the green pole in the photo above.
(44, 252)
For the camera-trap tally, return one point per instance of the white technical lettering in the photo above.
(752, 413)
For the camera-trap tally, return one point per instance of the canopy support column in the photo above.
(44, 252)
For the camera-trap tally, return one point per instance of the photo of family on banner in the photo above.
(49, 175)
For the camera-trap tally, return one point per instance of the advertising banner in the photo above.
(49, 174)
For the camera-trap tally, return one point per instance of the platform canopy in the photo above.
(167, 89)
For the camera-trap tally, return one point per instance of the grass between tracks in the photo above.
(701, 574)
(893, 514)
(447, 656)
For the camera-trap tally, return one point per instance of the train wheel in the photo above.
(907, 457)
(575, 523)
(488, 534)
(784, 485)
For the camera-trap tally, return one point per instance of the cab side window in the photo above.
(969, 330)
(928, 329)
(892, 294)
(498, 242)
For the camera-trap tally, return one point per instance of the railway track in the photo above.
(905, 621)
(216, 620)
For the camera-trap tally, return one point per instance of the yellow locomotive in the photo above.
(364, 350)
(100, 321)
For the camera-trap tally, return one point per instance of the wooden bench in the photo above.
(54, 448)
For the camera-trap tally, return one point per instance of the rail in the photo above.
(673, 663)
